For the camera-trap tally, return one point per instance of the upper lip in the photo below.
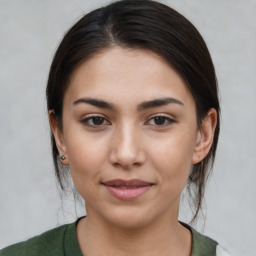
(127, 183)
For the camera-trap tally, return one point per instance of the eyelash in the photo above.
(92, 118)
(167, 121)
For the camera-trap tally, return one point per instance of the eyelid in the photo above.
(86, 119)
(170, 120)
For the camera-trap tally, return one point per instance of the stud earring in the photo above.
(62, 157)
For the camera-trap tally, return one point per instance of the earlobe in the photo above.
(58, 136)
(63, 160)
(205, 136)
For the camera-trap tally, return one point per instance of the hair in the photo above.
(146, 25)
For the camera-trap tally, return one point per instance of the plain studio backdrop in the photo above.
(30, 31)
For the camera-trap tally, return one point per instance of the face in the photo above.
(129, 135)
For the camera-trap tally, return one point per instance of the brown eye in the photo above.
(95, 121)
(160, 120)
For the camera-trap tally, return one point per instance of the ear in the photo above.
(205, 136)
(58, 135)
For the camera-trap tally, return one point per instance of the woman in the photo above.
(134, 112)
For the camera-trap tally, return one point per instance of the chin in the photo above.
(132, 218)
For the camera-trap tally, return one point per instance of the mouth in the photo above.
(127, 189)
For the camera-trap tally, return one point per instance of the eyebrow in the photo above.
(95, 102)
(159, 102)
(144, 105)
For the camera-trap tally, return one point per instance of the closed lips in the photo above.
(135, 183)
(127, 189)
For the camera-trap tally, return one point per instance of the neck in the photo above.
(158, 238)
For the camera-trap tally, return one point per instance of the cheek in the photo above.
(86, 156)
(172, 158)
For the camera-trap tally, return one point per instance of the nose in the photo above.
(127, 150)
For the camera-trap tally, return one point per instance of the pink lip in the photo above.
(127, 189)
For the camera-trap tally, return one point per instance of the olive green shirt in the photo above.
(62, 241)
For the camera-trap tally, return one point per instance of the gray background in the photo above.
(30, 31)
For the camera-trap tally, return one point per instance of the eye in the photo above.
(160, 121)
(95, 121)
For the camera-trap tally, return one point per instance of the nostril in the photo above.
(126, 166)
(116, 164)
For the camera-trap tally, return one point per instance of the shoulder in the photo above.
(204, 245)
(48, 243)
(201, 244)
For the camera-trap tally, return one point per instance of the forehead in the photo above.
(119, 74)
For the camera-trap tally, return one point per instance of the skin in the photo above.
(129, 142)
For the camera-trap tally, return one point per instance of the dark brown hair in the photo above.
(142, 24)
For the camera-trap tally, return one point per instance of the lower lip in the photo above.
(127, 193)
